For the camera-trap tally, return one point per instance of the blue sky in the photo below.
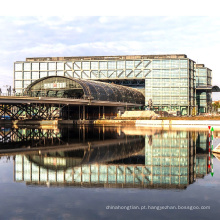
(35, 36)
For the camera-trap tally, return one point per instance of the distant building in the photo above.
(171, 81)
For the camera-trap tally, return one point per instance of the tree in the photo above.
(215, 106)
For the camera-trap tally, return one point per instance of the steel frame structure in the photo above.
(30, 111)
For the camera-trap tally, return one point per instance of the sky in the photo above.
(87, 35)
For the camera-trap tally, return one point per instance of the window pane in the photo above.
(85, 65)
(27, 75)
(60, 66)
(35, 75)
(18, 67)
(18, 84)
(94, 65)
(52, 66)
(103, 65)
(27, 83)
(27, 66)
(18, 75)
(43, 74)
(111, 65)
(43, 66)
(35, 66)
(120, 64)
(129, 64)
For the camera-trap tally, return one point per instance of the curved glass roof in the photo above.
(65, 87)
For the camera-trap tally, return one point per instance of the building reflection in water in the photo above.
(112, 157)
(171, 158)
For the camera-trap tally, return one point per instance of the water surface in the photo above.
(107, 173)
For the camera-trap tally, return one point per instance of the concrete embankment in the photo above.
(44, 122)
(186, 123)
(164, 123)
(115, 122)
(144, 123)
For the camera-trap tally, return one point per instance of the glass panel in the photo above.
(27, 83)
(94, 65)
(18, 67)
(27, 75)
(18, 75)
(68, 65)
(43, 74)
(111, 65)
(77, 65)
(43, 66)
(111, 74)
(85, 65)
(85, 74)
(60, 66)
(103, 65)
(138, 64)
(52, 66)
(35, 75)
(69, 74)
(52, 73)
(120, 64)
(94, 74)
(18, 84)
(156, 64)
(35, 66)
(27, 66)
(60, 73)
(183, 63)
(174, 63)
(77, 74)
(129, 64)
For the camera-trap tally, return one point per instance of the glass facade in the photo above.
(170, 157)
(169, 80)
(203, 89)
(170, 85)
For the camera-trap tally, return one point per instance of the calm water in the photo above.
(107, 173)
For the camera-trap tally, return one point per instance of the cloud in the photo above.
(22, 37)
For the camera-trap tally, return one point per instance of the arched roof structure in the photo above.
(215, 89)
(66, 87)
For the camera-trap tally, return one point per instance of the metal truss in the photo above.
(137, 71)
(30, 137)
(30, 111)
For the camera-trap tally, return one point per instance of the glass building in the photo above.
(169, 80)
(203, 88)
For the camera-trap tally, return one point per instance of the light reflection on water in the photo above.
(99, 166)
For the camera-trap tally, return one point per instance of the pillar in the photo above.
(79, 112)
(84, 112)
(103, 112)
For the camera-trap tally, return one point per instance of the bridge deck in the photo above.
(52, 100)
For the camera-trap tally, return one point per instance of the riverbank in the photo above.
(193, 122)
